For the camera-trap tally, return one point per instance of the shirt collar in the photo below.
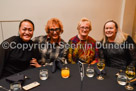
(58, 42)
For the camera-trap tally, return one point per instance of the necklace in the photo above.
(83, 46)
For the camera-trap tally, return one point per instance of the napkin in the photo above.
(57, 64)
(98, 71)
(16, 78)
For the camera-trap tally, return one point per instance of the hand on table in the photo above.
(34, 63)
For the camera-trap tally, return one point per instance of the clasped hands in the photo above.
(34, 63)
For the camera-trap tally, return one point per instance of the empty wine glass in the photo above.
(100, 66)
(130, 73)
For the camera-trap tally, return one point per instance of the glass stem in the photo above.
(100, 74)
(129, 84)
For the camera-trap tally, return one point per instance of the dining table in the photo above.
(108, 84)
(74, 83)
(54, 82)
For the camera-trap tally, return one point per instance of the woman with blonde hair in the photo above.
(117, 48)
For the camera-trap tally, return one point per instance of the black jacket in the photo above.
(15, 55)
(119, 55)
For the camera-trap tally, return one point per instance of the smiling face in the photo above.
(110, 30)
(84, 29)
(54, 32)
(26, 31)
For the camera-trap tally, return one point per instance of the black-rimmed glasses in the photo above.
(56, 29)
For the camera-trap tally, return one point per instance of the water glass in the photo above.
(15, 86)
(90, 71)
(122, 78)
(43, 74)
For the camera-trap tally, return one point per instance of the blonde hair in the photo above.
(120, 36)
(84, 20)
(53, 21)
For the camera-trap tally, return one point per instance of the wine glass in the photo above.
(100, 66)
(130, 73)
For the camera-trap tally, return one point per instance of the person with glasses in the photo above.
(82, 46)
(16, 52)
(51, 45)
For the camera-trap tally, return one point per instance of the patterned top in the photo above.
(83, 50)
(51, 51)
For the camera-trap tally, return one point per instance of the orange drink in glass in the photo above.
(65, 72)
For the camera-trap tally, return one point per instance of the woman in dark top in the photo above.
(16, 51)
(117, 47)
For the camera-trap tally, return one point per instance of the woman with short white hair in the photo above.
(82, 46)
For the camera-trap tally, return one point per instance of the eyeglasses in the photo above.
(56, 29)
(86, 28)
